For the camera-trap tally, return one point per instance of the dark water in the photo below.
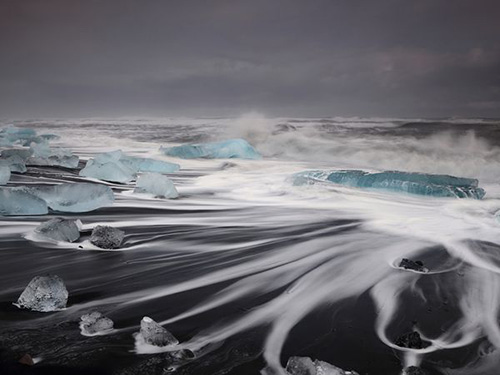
(247, 270)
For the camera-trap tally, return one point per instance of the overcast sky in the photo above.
(285, 58)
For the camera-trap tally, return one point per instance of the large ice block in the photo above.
(44, 155)
(75, 197)
(60, 229)
(44, 294)
(4, 174)
(20, 201)
(232, 148)
(157, 185)
(149, 165)
(15, 163)
(413, 183)
(154, 334)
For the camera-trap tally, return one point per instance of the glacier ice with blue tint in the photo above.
(15, 163)
(232, 148)
(77, 197)
(115, 166)
(4, 174)
(413, 183)
(19, 201)
(157, 185)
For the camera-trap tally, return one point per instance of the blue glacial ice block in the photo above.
(149, 165)
(19, 201)
(76, 197)
(44, 155)
(15, 163)
(157, 185)
(4, 174)
(232, 148)
(413, 183)
(113, 171)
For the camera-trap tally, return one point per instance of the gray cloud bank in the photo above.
(286, 58)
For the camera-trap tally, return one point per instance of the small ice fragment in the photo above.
(20, 201)
(107, 237)
(232, 148)
(156, 184)
(306, 366)
(75, 197)
(44, 294)
(154, 334)
(60, 229)
(4, 174)
(95, 323)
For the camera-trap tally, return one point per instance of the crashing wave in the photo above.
(230, 149)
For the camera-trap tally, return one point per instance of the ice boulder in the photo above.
(106, 237)
(15, 163)
(60, 229)
(44, 294)
(44, 155)
(94, 324)
(149, 165)
(306, 366)
(4, 174)
(75, 197)
(157, 185)
(413, 183)
(22, 153)
(232, 148)
(19, 201)
(154, 334)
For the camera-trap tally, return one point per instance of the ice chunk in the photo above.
(43, 154)
(75, 197)
(306, 366)
(156, 184)
(107, 237)
(232, 148)
(154, 334)
(60, 229)
(23, 153)
(113, 171)
(14, 162)
(14, 134)
(413, 370)
(149, 165)
(95, 323)
(413, 183)
(19, 201)
(4, 174)
(44, 294)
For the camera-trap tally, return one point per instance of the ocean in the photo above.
(246, 269)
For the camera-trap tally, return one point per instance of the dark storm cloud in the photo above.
(295, 57)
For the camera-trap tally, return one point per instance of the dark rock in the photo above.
(107, 237)
(411, 340)
(413, 370)
(409, 264)
(26, 360)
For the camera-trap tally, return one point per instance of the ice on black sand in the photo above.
(107, 237)
(60, 229)
(306, 366)
(413, 370)
(154, 334)
(95, 323)
(44, 294)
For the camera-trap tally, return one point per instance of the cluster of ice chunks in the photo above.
(60, 229)
(44, 155)
(106, 237)
(157, 185)
(413, 183)
(68, 197)
(44, 294)
(232, 148)
(95, 323)
(306, 366)
(115, 166)
(154, 334)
